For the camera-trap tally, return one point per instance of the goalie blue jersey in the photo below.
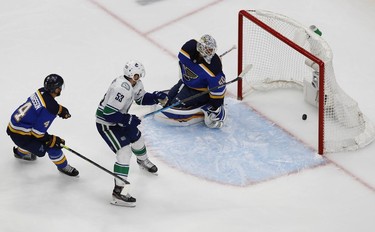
(35, 116)
(198, 74)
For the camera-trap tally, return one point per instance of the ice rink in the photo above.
(88, 42)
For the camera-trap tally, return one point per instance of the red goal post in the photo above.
(286, 54)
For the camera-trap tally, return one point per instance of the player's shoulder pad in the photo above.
(215, 66)
(190, 47)
(126, 85)
(139, 85)
(50, 103)
(121, 84)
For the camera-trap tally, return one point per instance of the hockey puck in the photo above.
(304, 116)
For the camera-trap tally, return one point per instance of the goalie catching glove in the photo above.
(214, 118)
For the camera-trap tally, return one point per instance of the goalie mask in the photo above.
(206, 46)
(133, 68)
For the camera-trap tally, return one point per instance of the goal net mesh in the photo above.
(286, 54)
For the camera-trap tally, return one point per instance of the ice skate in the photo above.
(19, 155)
(147, 165)
(122, 200)
(69, 170)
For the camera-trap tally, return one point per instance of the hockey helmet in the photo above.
(52, 82)
(206, 46)
(134, 67)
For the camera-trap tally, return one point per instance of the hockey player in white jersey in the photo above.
(120, 130)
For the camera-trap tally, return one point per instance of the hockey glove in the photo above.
(55, 142)
(160, 97)
(64, 113)
(130, 120)
(214, 118)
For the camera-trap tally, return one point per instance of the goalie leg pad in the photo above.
(214, 118)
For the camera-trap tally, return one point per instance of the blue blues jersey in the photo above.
(35, 116)
(199, 75)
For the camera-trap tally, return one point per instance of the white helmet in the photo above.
(134, 67)
(206, 46)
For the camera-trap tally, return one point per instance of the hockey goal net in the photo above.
(286, 54)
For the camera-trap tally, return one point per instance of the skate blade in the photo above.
(64, 174)
(123, 204)
(146, 171)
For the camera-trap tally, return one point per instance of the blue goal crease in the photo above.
(247, 150)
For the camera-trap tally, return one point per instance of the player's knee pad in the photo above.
(139, 147)
(124, 154)
(30, 144)
(54, 153)
(139, 144)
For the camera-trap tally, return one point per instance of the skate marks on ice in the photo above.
(147, 2)
(247, 150)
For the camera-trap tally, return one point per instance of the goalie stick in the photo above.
(97, 165)
(246, 70)
(227, 51)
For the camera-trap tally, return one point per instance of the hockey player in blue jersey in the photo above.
(201, 69)
(30, 121)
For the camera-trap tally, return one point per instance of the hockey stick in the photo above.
(246, 70)
(97, 165)
(227, 51)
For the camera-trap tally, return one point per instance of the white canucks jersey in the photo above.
(118, 99)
